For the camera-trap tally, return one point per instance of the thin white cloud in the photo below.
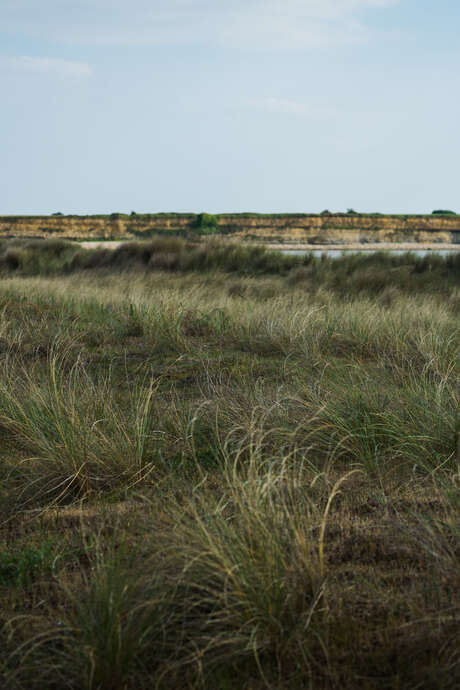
(44, 65)
(280, 31)
(269, 24)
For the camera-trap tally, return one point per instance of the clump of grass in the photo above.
(115, 629)
(37, 257)
(73, 439)
(250, 563)
(224, 581)
(440, 536)
(363, 421)
(103, 634)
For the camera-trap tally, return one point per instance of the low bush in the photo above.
(206, 224)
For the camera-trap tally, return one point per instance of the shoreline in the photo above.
(356, 246)
(384, 246)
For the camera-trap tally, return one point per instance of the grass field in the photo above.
(228, 469)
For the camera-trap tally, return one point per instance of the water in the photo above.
(337, 253)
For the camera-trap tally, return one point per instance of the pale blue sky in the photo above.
(229, 105)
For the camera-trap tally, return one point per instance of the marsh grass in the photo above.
(73, 438)
(374, 273)
(257, 475)
(225, 579)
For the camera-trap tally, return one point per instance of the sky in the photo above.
(229, 106)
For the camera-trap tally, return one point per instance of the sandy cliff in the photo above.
(336, 229)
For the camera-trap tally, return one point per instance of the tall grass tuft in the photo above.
(73, 437)
(115, 626)
(250, 565)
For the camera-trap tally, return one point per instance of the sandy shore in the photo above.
(113, 244)
(105, 244)
(404, 246)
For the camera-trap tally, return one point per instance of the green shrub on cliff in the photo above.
(205, 224)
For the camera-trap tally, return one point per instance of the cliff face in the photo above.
(309, 229)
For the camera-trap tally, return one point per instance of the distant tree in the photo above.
(205, 224)
(58, 213)
(326, 212)
(441, 212)
(352, 212)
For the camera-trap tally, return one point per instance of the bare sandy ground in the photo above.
(105, 244)
(113, 244)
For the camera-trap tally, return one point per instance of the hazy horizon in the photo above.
(227, 213)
